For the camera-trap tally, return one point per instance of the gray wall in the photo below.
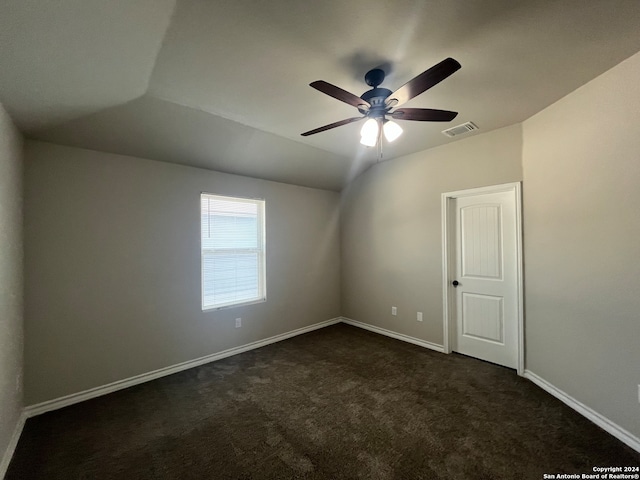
(391, 228)
(112, 266)
(582, 243)
(11, 284)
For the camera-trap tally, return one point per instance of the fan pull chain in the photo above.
(380, 142)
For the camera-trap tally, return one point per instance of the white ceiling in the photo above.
(224, 84)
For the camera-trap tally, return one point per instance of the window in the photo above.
(232, 247)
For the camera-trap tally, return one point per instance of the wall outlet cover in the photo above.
(394, 310)
(238, 322)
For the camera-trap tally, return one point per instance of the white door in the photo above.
(484, 276)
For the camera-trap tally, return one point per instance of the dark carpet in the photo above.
(336, 403)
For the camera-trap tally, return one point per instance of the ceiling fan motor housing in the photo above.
(376, 97)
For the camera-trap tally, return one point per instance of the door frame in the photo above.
(448, 249)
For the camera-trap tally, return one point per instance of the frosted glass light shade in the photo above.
(391, 130)
(370, 128)
(369, 141)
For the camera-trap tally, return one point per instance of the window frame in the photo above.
(261, 251)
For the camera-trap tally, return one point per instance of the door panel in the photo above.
(485, 265)
(480, 241)
(482, 317)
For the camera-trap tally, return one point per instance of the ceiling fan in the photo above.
(376, 104)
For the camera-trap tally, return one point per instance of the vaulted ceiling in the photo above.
(224, 84)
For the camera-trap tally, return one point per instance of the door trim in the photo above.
(447, 249)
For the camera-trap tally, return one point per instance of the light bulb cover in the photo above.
(369, 133)
(391, 130)
(370, 128)
(369, 141)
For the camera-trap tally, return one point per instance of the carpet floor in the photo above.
(337, 403)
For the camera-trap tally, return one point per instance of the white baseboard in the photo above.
(600, 420)
(397, 336)
(67, 400)
(11, 448)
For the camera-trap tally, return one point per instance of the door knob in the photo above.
(455, 283)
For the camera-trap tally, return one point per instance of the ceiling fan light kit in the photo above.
(370, 131)
(376, 103)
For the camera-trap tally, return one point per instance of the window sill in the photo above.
(233, 305)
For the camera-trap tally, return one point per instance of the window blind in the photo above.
(232, 247)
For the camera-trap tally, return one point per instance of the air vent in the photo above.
(460, 129)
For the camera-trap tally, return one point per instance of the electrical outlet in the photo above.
(638, 393)
(238, 322)
(394, 310)
(419, 318)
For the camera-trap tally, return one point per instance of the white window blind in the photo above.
(232, 245)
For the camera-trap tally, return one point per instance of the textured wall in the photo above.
(11, 284)
(581, 161)
(391, 228)
(112, 266)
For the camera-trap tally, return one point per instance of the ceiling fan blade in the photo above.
(340, 94)
(332, 125)
(424, 115)
(422, 82)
